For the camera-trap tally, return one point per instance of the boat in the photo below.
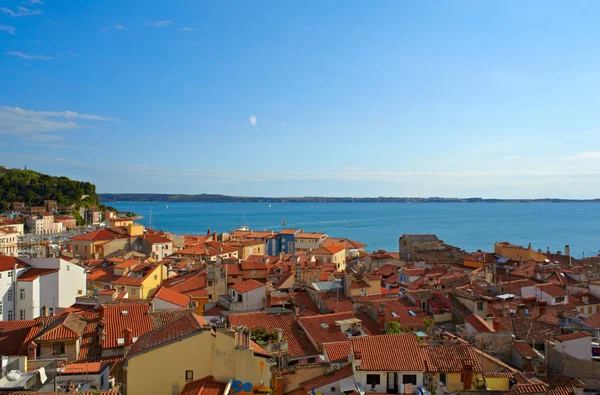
(244, 227)
(167, 206)
(351, 225)
(269, 205)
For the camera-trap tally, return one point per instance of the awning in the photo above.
(348, 384)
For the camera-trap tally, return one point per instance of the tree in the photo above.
(429, 323)
(393, 327)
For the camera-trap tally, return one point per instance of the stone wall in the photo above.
(587, 371)
(301, 374)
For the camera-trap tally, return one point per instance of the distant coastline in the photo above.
(211, 198)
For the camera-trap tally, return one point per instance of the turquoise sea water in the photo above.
(470, 226)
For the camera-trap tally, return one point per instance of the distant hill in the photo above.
(155, 197)
(33, 188)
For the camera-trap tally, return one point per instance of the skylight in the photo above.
(324, 325)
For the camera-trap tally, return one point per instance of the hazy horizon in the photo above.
(449, 98)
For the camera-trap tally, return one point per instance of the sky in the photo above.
(305, 98)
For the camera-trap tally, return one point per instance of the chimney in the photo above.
(467, 376)
(381, 315)
(357, 359)
(44, 311)
(279, 332)
(101, 313)
(496, 325)
(527, 364)
(521, 309)
(542, 307)
(268, 299)
(215, 236)
(128, 341)
(32, 351)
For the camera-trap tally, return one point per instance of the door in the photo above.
(392, 383)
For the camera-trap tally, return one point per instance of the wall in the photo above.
(6, 284)
(498, 384)
(160, 304)
(150, 283)
(517, 253)
(71, 350)
(301, 374)
(361, 379)
(497, 344)
(587, 371)
(31, 294)
(577, 348)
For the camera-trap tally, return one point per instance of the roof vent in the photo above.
(324, 325)
(124, 312)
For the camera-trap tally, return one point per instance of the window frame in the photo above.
(189, 375)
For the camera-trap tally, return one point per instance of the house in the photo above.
(524, 357)
(227, 355)
(42, 223)
(332, 253)
(475, 324)
(13, 225)
(93, 375)
(205, 385)
(287, 240)
(353, 247)
(248, 247)
(10, 269)
(411, 244)
(142, 280)
(576, 344)
(18, 206)
(209, 251)
(335, 382)
(551, 293)
(387, 364)
(387, 310)
(51, 283)
(167, 299)
(248, 295)
(68, 221)
(518, 253)
(61, 339)
(196, 286)
(8, 242)
(362, 284)
(97, 244)
(455, 367)
(306, 241)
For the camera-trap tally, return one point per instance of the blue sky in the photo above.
(336, 98)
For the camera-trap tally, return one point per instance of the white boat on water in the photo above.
(351, 225)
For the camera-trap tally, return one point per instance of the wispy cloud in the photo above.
(8, 29)
(584, 156)
(512, 157)
(115, 27)
(253, 120)
(21, 11)
(186, 28)
(63, 146)
(161, 23)
(28, 57)
(41, 125)
(119, 27)
(34, 2)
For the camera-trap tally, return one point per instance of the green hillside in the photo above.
(33, 188)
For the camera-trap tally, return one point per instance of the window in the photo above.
(209, 297)
(10, 274)
(9, 294)
(58, 349)
(332, 389)
(443, 378)
(10, 315)
(68, 267)
(22, 294)
(373, 380)
(133, 292)
(590, 309)
(156, 277)
(559, 299)
(409, 379)
(0, 275)
(479, 305)
(0, 308)
(312, 360)
(22, 314)
(189, 375)
(210, 283)
(424, 305)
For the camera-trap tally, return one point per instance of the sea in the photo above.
(470, 226)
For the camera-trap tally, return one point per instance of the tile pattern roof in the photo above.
(552, 290)
(478, 323)
(177, 329)
(84, 367)
(298, 343)
(33, 274)
(327, 378)
(100, 235)
(193, 284)
(525, 350)
(450, 358)
(119, 317)
(323, 328)
(204, 386)
(593, 321)
(160, 318)
(171, 296)
(337, 351)
(71, 326)
(572, 336)
(247, 286)
(16, 335)
(9, 262)
(388, 353)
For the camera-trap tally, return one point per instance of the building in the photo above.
(197, 287)
(551, 293)
(411, 244)
(287, 244)
(576, 344)
(332, 253)
(8, 242)
(18, 206)
(139, 280)
(156, 246)
(247, 247)
(51, 284)
(97, 244)
(13, 225)
(248, 295)
(518, 253)
(92, 217)
(68, 221)
(167, 299)
(41, 224)
(305, 241)
(10, 269)
(201, 351)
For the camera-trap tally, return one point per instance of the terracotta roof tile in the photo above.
(525, 350)
(388, 353)
(327, 378)
(33, 274)
(337, 351)
(323, 328)
(119, 317)
(84, 367)
(9, 262)
(173, 297)
(193, 284)
(479, 324)
(552, 289)
(70, 326)
(450, 358)
(571, 336)
(247, 286)
(16, 335)
(204, 386)
(100, 235)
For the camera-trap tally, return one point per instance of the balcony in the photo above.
(231, 303)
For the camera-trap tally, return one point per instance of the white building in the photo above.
(8, 242)
(248, 295)
(15, 227)
(10, 269)
(305, 241)
(52, 283)
(42, 224)
(577, 344)
(551, 293)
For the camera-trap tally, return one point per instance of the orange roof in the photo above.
(450, 358)
(323, 328)
(173, 297)
(478, 323)
(552, 290)
(193, 284)
(524, 349)
(388, 353)
(16, 335)
(69, 327)
(310, 235)
(119, 317)
(100, 235)
(9, 262)
(247, 286)
(330, 249)
(204, 386)
(127, 264)
(156, 239)
(85, 367)
(571, 336)
(289, 231)
(33, 274)
(327, 378)
(337, 351)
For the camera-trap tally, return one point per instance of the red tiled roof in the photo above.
(593, 321)
(327, 378)
(100, 235)
(128, 264)
(571, 336)
(171, 296)
(314, 327)
(298, 344)
(9, 262)
(33, 274)
(247, 286)
(69, 327)
(337, 351)
(172, 331)
(478, 323)
(116, 321)
(16, 335)
(525, 350)
(388, 353)
(156, 239)
(193, 284)
(106, 291)
(84, 367)
(204, 386)
(310, 235)
(450, 358)
(552, 290)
